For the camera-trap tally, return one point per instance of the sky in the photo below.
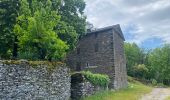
(144, 22)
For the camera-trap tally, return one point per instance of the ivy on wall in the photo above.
(97, 79)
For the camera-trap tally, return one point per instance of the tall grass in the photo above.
(134, 92)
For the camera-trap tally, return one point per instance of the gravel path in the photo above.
(157, 94)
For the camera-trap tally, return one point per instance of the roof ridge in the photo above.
(115, 27)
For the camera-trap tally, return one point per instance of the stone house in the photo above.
(102, 51)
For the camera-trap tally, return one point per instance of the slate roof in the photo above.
(116, 28)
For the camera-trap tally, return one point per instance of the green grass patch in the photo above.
(168, 98)
(134, 92)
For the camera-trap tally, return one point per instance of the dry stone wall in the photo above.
(29, 82)
(81, 87)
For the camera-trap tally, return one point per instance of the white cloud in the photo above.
(148, 18)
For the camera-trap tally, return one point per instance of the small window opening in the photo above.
(96, 47)
(87, 64)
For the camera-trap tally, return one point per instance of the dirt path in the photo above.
(157, 94)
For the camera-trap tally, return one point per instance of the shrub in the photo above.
(140, 70)
(160, 85)
(97, 79)
(130, 79)
(154, 82)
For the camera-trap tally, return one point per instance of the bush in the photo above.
(140, 70)
(131, 80)
(160, 85)
(97, 79)
(154, 82)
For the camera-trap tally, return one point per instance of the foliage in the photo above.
(152, 64)
(96, 79)
(154, 82)
(134, 56)
(159, 64)
(46, 29)
(140, 71)
(133, 92)
(72, 13)
(131, 79)
(35, 30)
(67, 33)
(160, 85)
(8, 14)
(73, 20)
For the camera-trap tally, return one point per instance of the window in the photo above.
(78, 51)
(111, 45)
(78, 66)
(87, 64)
(96, 35)
(96, 47)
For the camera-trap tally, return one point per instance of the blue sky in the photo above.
(145, 22)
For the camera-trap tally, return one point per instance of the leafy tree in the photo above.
(8, 14)
(67, 34)
(70, 27)
(159, 64)
(36, 34)
(134, 56)
(73, 20)
(151, 64)
(71, 12)
(140, 71)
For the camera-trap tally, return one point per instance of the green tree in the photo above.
(159, 64)
(73, 20)
(8, 14)
(72, 13)
(134, 56)
(36, 34)
(140, 71)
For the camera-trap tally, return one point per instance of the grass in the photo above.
(168, 98)
(134, 92)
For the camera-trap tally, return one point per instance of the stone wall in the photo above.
(93, 50)
(119, 62)
(108, 58)
(25, 81)
(80, 87)
(100, 61)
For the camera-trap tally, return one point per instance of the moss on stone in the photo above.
(35, 64)
(9, 62)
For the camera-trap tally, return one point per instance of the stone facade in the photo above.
(81, 87)
(101, 51)
(27, 82)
